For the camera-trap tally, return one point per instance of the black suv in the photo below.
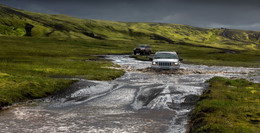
(143, 49)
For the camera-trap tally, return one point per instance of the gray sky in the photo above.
(237, 14)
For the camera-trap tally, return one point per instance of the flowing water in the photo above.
(140, 101)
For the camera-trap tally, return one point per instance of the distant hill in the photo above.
(23, 23)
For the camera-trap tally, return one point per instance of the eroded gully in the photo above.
(139, 101)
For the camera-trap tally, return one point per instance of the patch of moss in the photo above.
(227, 106)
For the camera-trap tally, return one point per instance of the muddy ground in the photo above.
(143, 100)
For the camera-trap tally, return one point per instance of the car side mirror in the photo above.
(180, 60)
(150, 59)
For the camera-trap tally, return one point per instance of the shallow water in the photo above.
(139, 101)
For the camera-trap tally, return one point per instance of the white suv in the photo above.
(166, 60)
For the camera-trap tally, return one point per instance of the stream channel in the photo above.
(140, 101)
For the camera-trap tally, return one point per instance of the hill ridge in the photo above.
(24, 23)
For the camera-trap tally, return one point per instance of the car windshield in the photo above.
(165, 56)
(141, 46)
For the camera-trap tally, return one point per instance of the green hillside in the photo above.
(22, 23)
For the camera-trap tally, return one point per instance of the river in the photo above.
(140, 101)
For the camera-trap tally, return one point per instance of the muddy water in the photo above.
(140, 101)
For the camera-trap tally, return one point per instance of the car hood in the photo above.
(166, 60)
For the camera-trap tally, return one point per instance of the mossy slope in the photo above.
(228, 106)
(18, 22)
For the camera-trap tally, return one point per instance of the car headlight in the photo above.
(154, 63)
(175, 63)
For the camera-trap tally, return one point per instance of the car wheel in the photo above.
(157, 70)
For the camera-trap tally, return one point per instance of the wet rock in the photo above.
(148, 97)
(73, 88)
(174, 106)
(189, 102)
(173, 90)
(191, 98)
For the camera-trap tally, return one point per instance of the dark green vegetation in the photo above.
(38, 50)
(228, 106)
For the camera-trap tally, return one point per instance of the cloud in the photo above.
(242, 14)
(38, 8)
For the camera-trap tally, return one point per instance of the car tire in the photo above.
(157, 70)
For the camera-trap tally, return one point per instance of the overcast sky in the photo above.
(237, 14)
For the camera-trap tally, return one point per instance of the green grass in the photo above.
(36, 67)
(228, 106)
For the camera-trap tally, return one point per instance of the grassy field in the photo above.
(30, 67)
(36, 67)
(228, 106)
